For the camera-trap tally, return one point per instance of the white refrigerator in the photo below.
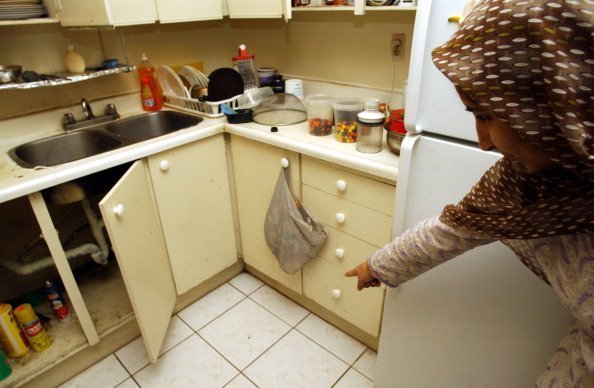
(481, 319)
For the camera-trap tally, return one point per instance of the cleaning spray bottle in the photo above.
(74, 61)
(150, 93)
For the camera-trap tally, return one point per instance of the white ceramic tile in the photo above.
(279, 305)
(337, 342)
(296, 361)
(244, 332)
(366, 364)
(129, 383)
(210, 306)
(134, 355)
(353, 379)
(240, 382)
(106, 373)
(193, 363)
(246, 283)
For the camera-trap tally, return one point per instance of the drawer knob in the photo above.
(336, 294)
(118, 210)
(340, 185)
(339, 253)
(340, 217)
(164, 165)
(285, 162)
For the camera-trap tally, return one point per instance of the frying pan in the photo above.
(224, 83)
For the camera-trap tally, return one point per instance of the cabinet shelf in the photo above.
(350, 8)
(67, 78)
(28, 21)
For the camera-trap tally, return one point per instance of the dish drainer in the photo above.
(210, 109)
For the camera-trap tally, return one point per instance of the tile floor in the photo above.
(243, 334)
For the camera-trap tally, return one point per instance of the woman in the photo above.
(525, 69)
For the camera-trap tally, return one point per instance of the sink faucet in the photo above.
(86, 108)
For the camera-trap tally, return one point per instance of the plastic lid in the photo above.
(349, 104)
(319, 99)
(371, 117)
(243, 54)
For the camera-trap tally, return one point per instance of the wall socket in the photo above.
(397, 45)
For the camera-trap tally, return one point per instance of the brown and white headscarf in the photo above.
(531, 64)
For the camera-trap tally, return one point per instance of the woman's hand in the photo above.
(364, 276)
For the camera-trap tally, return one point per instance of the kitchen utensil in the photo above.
(245, 66)
(197, 92)
(9, 73)
(280, 109)
(224, 83)
(251, 98)
(170, 82)
(394, 140)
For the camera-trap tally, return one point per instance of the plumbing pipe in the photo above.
(96, 226)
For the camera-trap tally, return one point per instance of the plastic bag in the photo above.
(292, 233)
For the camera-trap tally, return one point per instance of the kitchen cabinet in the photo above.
(169, 11)
(259, 8)
(193, 199)
(75, 13)
(257, 167)
(357, 211)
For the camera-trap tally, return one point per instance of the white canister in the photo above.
(295, 87)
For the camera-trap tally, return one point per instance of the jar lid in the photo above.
(371, 117)
(349, 104)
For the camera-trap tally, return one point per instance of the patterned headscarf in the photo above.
(530, 64)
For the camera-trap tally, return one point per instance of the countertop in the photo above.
(16, 181)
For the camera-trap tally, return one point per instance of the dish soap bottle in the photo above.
(149, 90)
(75, 63)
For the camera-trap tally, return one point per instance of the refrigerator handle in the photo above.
(404, 164)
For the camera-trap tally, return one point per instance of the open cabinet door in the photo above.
(132, 222)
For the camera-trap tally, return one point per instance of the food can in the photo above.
(57, 301)
(32, 327)
(13, 340)
(5, 369)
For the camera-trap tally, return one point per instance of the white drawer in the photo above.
(344, 184)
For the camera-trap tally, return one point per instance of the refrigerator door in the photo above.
(479, 320)
(432, 103)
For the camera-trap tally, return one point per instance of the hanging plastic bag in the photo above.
(292, 233)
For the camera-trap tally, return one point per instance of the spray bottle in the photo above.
(150, 93)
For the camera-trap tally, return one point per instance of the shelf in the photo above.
(351, 8)
(63, 79)
(28, 21)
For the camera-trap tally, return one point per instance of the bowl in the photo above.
(394, 141)
(9, 73)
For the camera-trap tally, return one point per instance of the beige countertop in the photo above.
(16, 181)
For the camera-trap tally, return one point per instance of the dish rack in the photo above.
(210, 109)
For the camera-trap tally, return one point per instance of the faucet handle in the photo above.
(111, 109)
(68, 119)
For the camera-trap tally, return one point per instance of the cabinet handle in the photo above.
(339, 253)
(118, 210)
(336, 294)
(164, 165)
(340, 185)
(340, 217)
(285, 162)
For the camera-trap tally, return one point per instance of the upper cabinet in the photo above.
(173, 11)
(76, 13)
(259, 8)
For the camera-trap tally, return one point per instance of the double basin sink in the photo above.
(99, 138)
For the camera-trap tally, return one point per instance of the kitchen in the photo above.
(363, 69)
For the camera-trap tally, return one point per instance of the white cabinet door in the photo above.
(132, 222)
(73, 13)
(191, 188)
(256, 8)
(188, 10)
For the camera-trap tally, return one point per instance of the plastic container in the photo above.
(320, 114)
(150, 94)
(13, 340)
(265, 75)
(74, 61)
(345, 118)
(370, 132)
(31, 325)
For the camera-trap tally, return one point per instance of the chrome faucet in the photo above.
(86, 108)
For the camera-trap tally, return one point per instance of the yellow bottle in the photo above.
(32, 327)
(74, 61)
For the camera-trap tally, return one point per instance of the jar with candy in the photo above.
(345, 118)
(319, 114)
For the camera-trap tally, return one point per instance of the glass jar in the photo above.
(370, 132)
(319, 114)
(345, 118)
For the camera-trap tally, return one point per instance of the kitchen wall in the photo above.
(337, 47)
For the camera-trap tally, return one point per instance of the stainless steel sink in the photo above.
(64, 148)
(151, 125)
(96, 139)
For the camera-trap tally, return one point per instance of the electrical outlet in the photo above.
(397, 45)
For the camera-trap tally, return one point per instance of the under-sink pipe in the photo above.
(96, 224)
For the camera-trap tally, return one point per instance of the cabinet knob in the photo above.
(118, 210)
(336, 294)
(340, 185)
(339, 253)
(164, 165)
(285, 162)
(340, 217)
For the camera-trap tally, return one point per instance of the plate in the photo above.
(169, 82)
(224, 83)
(194, 76)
